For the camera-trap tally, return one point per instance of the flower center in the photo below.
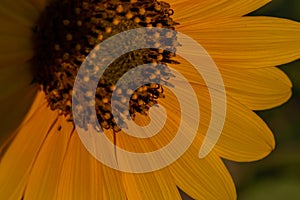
(68, 30)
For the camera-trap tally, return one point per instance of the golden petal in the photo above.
(195, 12)
(16, 58)
(163, 137)
(258, 89)
(13, 79)
(12, 113)
(113, 187)
(205, 178)
(154, 185)
(44, 176)
(249, 42)
(11, 43)
(14, 28)
(80, 176)
(245, 136)
(17, 162)
(16, 97)
(83, 177)
(20, 11)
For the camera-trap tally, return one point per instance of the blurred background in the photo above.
(276, 177)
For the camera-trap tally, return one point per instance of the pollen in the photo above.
(69, 37)
(66, 22)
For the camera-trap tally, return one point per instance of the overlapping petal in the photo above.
(189, 12)
(84, 177)
(16, 97)
(80, 177)
(47, 168)
(245, 136)
(249, 42)
(16, 164)
(154, 185)
(257, 89)
(19, 11)
(205, 178)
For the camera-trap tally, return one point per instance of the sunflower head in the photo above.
(46, 158)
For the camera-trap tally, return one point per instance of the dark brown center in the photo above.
(69, 29)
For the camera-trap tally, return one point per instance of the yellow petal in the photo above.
(154, 185)
(15, 84)
(205, 178)
(15, 50)
(18, 113)
(10, 43)
(18, 19)
(13, 79)
(162, 138)
(19, 158)
(45, 173)
(83, 177)
(14, 28)
(112, 183)
(12, 112)
(187, 11)
(258, 89)
(80, 176)
(21, 11)
(249, 42)
(245, 136)
(16, 58)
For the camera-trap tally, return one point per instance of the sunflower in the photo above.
(44, 157)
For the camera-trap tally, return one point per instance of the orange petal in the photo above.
(245, 136)
(10, 43)
(13, 112)
(14, 28)
(113, 187)
(14, 79)
(154, 185)
(83, 177)
(162, 138)
(18, 19)
(80, 176)
(20, 11)
(249, 42)
(205, 178)
(45, 173)
(19, 158)
(191, 12)
(15, 84)
(258, 89)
